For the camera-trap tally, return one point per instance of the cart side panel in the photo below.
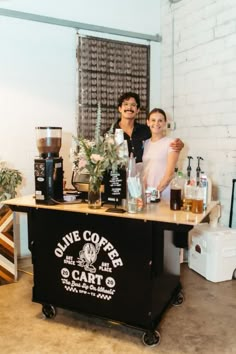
(98, 265)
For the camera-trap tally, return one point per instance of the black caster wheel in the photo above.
(49, 311)
(178, 300)
(151, 339)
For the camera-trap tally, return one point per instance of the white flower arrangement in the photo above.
(94, 157)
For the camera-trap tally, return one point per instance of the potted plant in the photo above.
(10, 179)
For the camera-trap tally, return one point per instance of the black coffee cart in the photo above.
(120, 267)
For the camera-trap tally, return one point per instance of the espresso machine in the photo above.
(48, 167)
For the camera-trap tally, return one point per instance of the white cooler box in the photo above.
(212, 252)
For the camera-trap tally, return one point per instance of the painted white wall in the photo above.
(130, 15)
(37, 87)
(38, 73)
(204, 86)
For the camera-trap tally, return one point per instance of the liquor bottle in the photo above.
(175, 193)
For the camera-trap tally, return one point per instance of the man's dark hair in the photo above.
(126, 96)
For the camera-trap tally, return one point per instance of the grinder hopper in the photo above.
(48, 141)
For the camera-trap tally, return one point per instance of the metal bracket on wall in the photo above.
(77, 25)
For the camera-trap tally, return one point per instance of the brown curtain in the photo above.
(107, 69)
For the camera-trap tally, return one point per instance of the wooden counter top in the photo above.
(154, 212)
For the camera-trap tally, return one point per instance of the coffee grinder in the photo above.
(48, 167)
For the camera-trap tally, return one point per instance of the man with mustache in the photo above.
(136, 133)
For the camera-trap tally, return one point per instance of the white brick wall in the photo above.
(202, 75)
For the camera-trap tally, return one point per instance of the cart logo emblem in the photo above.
(88, 263)
(88, 256)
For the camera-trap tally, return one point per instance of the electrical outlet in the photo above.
(171, 125)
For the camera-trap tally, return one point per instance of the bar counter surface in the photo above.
(153, 212)
(120, 267)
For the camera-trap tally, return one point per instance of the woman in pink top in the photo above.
(159, 159)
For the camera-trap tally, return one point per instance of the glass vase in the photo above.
(94, 193)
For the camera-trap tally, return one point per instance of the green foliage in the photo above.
(10, 179)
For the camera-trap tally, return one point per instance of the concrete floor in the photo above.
(204, 323)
